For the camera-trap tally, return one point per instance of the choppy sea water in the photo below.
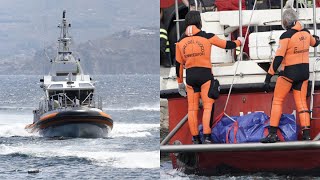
(168, 173)
(131, 151)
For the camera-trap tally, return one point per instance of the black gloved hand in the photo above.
(266, 85)
(316, 37)
(317, 40)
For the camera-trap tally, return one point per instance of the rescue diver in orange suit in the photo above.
(293, 56)
(193, 52)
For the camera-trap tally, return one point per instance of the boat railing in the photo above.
(92, 100)
(87, 100)
(63, 101)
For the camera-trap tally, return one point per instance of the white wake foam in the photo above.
(12, 124)
(133, 130)
(173, 174)
(149, 159)
(145, 159)
(141, 107)
(16, 129)
(146, 108)
(16, 108)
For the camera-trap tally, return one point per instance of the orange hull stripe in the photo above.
(48, 116)
(105, 115)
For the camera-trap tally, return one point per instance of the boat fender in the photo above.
(214, 90)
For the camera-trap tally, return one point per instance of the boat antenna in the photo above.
(64, 38)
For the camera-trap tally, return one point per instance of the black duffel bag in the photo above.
(214, 90)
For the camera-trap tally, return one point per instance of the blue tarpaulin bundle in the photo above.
(251, 128)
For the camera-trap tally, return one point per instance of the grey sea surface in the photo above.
(168, 173)
(130, 152)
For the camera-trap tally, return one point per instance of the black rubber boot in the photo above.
(272, 137)
(196, 140)
(207, 139)
(306, 134)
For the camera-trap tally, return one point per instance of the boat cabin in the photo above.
(71, 97)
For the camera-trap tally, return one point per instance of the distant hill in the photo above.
(28, 25)
(133, 51)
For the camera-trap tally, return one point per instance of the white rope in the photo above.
(241, 54)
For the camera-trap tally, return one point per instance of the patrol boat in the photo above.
(70, 106)
(242, 93)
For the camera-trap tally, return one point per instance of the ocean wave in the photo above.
(142, 159)
(169, 173)
(133, 130)
(119, 130)
(149, 159)
(145, 107)
(4, 108)
(17, 129)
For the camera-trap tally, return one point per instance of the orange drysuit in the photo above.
(293, 56)
(193, 51)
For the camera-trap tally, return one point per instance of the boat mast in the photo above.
(64, 53)
(64, 39)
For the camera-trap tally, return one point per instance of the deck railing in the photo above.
(62, 101)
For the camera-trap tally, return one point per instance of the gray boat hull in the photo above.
(83, 130)
(73, 123)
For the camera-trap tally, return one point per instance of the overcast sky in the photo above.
(26, 25)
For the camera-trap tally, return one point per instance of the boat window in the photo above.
(63, 74)
(72, 94)
(84, 94)
(56, 86)
(52, 93)
(63, 69)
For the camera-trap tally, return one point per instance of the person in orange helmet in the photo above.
(193, 52)
(293, 56)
